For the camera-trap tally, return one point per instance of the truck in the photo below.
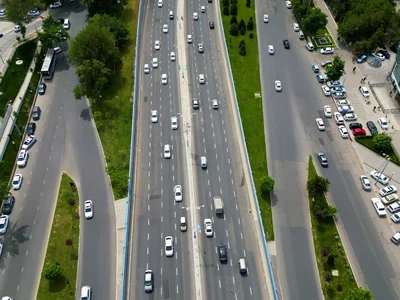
(219, 205)
(390, 199)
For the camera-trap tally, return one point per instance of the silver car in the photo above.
(366, 184)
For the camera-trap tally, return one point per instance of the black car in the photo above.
(211, 24)
(195, 102)
(30, 129)
(42, 88)
(286, 44)
(372, 128)
(385, 53)
(322, 159)
(60, 20)
(8, 205)
(355, 125)
(222, 252)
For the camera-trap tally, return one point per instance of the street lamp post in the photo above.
(387, 159)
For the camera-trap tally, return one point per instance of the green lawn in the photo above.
(10, 154)
(246, 74)
(367, 142)
(327, 237)
(113, 115)
(15, 75)
(65, 226)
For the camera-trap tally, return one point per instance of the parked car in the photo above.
(362, 59)
(30, 128)
(326, 63)
(372, 128)
(355, 125)
(322, 159)
(379, 207)
(42, 88)
(366, 184)
(327, 111)
(335, 83)
(326, 90)
(359, 132)
(315, 68)
(385, 53)
(364, 91)
(383, 123)
(321, 78)
(380, 177)
(391, 189)
(8, 205)
(327, 50)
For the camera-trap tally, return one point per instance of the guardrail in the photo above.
(130, 200)
(275, 290)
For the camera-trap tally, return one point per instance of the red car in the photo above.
(359, 132)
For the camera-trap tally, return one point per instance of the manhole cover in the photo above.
(19, 62)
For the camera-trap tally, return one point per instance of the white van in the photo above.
(183, 224)
(310, 46)
(242, 266)
(301, 35)
(171, 15)
(203, 162)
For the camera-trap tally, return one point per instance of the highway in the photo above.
(216, 137)
(67, 140)
(291, 136)
(157, 215)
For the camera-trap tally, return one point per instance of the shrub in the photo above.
(243, 31)
(325, 251)
(250, 24)
(339, 288)
(242, 48)
(247, 3)
(52, 271)
(234, 20)
(234, 30)
(382, 141)
(267, 183)
(328, 277)
(233, 2)
(226, 11)
(225, 3)
(71, 201)
(242, 24)
(331, 260)
(251, 35)
(68, 242)
(234, 10)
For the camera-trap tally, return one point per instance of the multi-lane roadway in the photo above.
(67, 141)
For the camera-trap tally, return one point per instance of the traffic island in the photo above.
(58, 278)
(335, 273)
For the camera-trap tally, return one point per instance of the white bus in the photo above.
(49, 64)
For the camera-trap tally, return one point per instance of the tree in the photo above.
(247, 3)
(93, 76)
(226, 11)
(361, 47)
(51, 33)
(242, 48)
(52, 271)
(225, 3)
(233, 10)
(267, 184)
(233, 20)
(317, 186)
(101, 7)
(94, 43)
(234, 30)
(315, 20)
(336, 70)
(382, 142)
(250, 24)
(242, 31)
(4, 190)
(359, 294)
(242, 24)
(17, 10)
(115, 26)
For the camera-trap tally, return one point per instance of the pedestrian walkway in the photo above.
(331, 26)
(120, 217)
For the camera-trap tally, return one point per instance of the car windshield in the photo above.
(169, 247)
(20, 158)
(88, 209)
(178, 193)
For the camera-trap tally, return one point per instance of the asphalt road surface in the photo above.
(67, 140)
(291, 136)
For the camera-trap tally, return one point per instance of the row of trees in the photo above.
(311, 18)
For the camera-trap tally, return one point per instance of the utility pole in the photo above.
(386, 162)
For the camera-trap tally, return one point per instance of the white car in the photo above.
(155, 62)
(338, 118)
(88, 209)
(154, 118)
(189, 39)
(66, 24)
(167, 151)
(296, 27)
(335, 83)
(271, 49)
(391, 189)
(326, 90)
(55, 5)
(266, 19)
(320, 124)
(395, 217)
(178, 193)
(384, 124)
(160, 3)
(22, 158)
(157, 45)
(214, 104)
(208, 230)
(174, 123)
(346, 109)
(17, 181)
(350, 117)
(203, 9)
(338, 89)
(165, 28)
(200, 47)
(172, 56)
(164, 79)
(34, 13)
(278, 85)
(202, 79)
(343, 132)
(394, 207)
(327, 111)
(379, 207)
(380, 177)
(3, 224)
(342, 102)
(146, 69)
(288, 4)
(86, 293)
(17, 28)
(169, 246)
(195, 16)
(364, 91)
(327, 51)
(366, 184)
(28, 143)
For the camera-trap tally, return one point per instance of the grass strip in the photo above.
(15, 75)
(329, 252)
(113, 115)
(367, 141)
(246, 74)
(65, 226)
(10, 154)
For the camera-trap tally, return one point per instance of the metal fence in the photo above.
(275, 290)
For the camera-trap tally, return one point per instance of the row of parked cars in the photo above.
(381, 54)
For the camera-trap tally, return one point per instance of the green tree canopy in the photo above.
(336, 70)
(314, 21)
(101, 7)
(317, 186)
(382, 142)
(52, 272)
(115, 26)
(359, 294)
(267, 184)
(52, 32)
(16, 10)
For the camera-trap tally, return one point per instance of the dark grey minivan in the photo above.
(36, 113)
(372, 128)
